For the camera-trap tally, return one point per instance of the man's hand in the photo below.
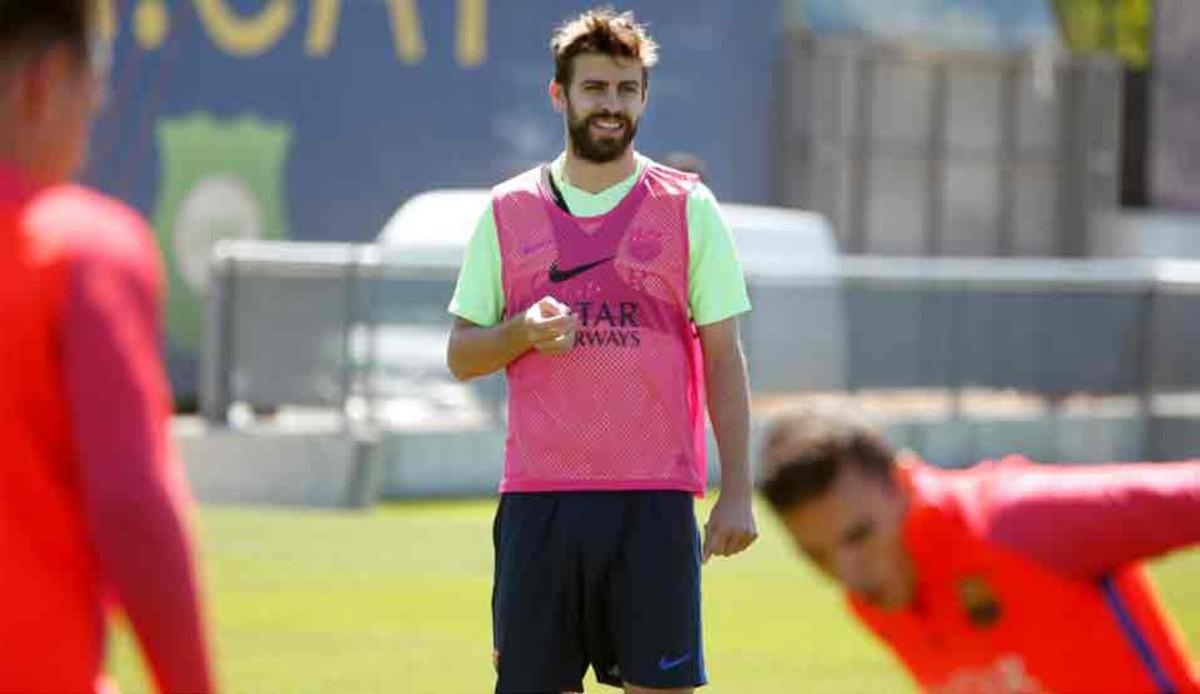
(731, 527)
(550, 327)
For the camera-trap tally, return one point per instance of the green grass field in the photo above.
(396, 600)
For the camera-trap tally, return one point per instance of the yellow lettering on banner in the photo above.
(406, 27)
(241, 36)
(322, 27)
(472, 32)
(151, 22)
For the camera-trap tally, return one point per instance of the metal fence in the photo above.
(333, 326)
(914, 152)
(1175, 106)
(349, 329)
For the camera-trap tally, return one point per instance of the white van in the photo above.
(432, 229)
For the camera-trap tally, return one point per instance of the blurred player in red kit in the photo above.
(1004, 577)
(93, 506)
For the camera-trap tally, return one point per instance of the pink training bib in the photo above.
(624, 409)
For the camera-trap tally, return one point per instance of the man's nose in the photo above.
(848, 567)
(611, 102)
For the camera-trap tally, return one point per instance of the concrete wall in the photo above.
(266, 465)
(281, 465)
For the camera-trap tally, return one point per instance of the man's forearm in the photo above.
(729, 410)
(146, 552)
(476, 351)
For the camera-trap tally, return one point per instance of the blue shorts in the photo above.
(606, 579)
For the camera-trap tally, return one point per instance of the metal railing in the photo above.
(346, 328)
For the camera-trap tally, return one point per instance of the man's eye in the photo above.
(858, 535)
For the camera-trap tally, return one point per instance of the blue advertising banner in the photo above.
(315, 120)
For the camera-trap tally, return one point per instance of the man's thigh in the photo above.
(656, 595)
(534, 599)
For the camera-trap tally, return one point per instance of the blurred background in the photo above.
(977, 220)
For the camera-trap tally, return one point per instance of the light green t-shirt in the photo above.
(716, 288)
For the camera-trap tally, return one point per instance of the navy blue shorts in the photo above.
(606, 579)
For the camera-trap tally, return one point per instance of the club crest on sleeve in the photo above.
(979, 601)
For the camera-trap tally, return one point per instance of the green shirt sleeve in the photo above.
(479, 294)
(716, 285)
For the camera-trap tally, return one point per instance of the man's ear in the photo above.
(558, 96)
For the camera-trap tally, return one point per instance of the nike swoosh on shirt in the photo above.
(557, 275)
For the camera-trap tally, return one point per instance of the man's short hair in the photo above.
(805, 452)
(38, 24)
(605, 32)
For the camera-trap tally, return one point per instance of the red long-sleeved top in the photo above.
(93, 507)
(1028, 578)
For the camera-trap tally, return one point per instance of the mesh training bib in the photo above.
(625, 408)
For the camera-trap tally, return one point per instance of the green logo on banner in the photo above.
(220, 179)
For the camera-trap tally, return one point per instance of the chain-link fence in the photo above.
(912, 152)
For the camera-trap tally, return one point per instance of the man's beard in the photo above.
(599, 150)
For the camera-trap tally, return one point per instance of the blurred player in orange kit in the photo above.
(1005, 577)
(93, 505)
